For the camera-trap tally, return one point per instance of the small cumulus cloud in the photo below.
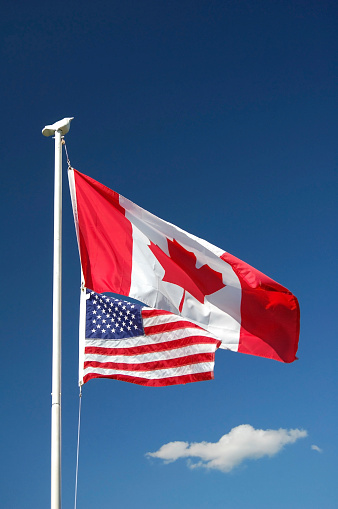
(316, 448)
(241, 443)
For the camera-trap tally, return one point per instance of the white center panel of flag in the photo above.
(148, 286)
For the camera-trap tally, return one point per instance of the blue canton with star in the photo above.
(110, 318)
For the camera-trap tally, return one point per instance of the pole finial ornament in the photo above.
(62, 125)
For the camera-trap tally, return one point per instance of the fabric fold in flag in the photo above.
(132, 343)
(126, 250)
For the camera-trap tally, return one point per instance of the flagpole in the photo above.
(59, 129)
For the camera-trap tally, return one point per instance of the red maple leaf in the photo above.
(180, 269)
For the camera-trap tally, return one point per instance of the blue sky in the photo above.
(220, 117)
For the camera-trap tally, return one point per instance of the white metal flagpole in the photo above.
(59, 129)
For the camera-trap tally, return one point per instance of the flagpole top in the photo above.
(62, 125)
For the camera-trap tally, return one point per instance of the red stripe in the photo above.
(105, 237)
(154, 365)
(269, 314)
(175, 380)
(170, 326)
(152, 347)
(148, 313)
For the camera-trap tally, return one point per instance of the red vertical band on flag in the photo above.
(269, 314)
(105, 237)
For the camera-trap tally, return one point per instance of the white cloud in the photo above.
(241, 443)
(316, 448)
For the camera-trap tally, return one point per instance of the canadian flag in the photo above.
(128, 251)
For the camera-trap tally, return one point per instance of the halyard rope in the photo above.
(68, 161)
(80, 393)
(78, 447)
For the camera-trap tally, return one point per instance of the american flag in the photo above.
(126, 341)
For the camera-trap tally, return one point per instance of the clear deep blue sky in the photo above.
(218, 116)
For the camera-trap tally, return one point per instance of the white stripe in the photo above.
(152, 356)
(160, 319)
(162, 337)
(163, 319)
(156, 374)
